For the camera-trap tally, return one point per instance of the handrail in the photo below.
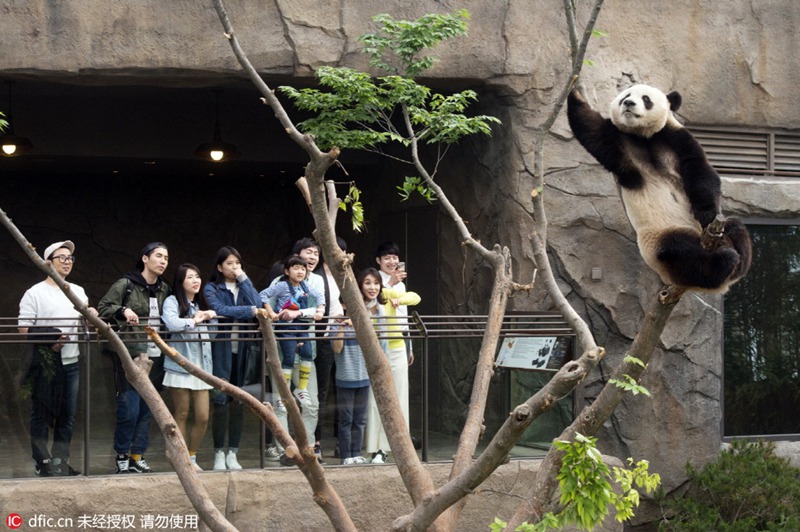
(419, 327)
(415, 326)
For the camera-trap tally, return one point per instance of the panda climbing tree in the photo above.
(670, 192)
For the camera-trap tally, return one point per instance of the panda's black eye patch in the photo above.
(648, 103)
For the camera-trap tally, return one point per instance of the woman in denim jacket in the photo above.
(231, 294)
(185, 315)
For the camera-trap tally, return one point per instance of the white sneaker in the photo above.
(232, 462)
(378, 457)
(360, 460)
(219, 461)
(280, 408)
(304, 397)
(272, 454)
(348, 461)
(193, 459)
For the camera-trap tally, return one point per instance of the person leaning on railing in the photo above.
(133, 302)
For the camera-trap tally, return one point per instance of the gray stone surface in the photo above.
(268, 500)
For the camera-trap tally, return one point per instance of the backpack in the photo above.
(298, 299)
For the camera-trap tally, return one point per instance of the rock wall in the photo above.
(516, 57)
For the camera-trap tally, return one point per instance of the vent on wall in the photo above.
(748, 152)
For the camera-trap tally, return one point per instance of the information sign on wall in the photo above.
(545, 353)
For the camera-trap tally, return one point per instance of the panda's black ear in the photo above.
(674, 99)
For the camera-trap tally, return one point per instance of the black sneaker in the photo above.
(318, 453)
(286, 461)
(139, 466)
(123, 463)
(65, 470)
(378, 457)
(43, 468)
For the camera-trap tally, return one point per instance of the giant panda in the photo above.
(668, 188)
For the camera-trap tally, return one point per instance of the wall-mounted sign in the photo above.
(546, 353)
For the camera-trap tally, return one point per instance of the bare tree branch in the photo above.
(496, 453)
(333, 202)
(586, 340)
(269, 97)
(442, 197)
(500, 260)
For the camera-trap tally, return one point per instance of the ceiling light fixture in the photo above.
(13, 145)
(216, 150)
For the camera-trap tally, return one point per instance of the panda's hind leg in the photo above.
(736, 234)
(687, 263)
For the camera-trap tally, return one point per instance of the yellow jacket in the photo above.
(394, 328)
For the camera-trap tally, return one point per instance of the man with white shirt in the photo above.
(54, 371)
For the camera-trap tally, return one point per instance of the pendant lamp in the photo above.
(217, 150)
(12, 145)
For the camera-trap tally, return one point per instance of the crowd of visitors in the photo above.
(203, 320)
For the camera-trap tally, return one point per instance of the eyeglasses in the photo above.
(64, 258)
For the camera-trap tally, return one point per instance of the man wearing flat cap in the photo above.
(50, 320)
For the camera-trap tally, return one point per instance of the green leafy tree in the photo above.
(585, 483)
(357, 111)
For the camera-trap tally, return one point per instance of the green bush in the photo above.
(748, 489)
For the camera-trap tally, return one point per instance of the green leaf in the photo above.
(630, 385)
(497, 525)
(585, 486)
(356, 208)
(415, 184)
(630, 359)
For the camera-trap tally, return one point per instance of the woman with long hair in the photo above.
(185, 315)
(231, 294)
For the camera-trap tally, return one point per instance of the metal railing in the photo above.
(419, 327)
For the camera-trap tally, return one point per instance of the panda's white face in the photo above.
(640, 110)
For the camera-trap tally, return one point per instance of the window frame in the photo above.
(790, 437)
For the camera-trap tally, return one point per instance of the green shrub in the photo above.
(748, 489)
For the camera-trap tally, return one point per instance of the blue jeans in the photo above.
(63, 419)
(131, 433)
(288, 347)
(351, 403)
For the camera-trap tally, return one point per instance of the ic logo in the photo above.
(13, 521)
